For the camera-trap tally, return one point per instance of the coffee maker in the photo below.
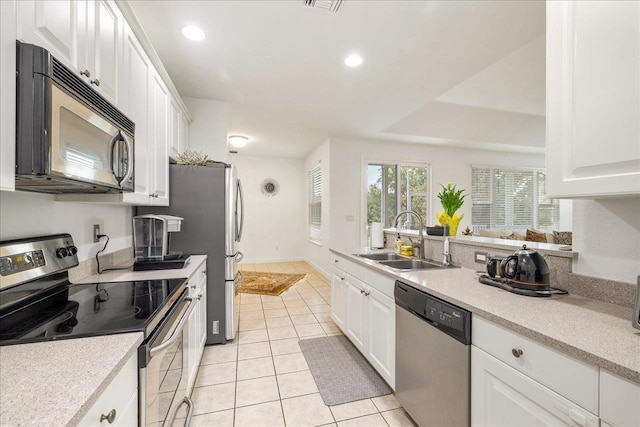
(152, 242)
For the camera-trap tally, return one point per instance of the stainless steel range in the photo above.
(38, 303)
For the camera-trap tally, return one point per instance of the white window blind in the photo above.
(315, 204)
(511, 199)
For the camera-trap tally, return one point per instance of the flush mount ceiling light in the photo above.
(238, 141)
(193, 33)
(353, 60)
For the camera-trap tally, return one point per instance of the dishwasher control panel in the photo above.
(443, 314)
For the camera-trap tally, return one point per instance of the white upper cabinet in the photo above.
(86, 35)
(105, 30)
(159, 130)
(56, 25)
(136, 82)
(593, 98)
(8, 33)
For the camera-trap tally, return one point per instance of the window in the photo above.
(315, 205)
(385, 182)
(507, 199)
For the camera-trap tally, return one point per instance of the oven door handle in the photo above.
(187, 421)
(176, 333)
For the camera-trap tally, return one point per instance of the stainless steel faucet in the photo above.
(420, 233)
(447, 255)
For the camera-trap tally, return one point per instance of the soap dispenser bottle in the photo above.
(398, 244)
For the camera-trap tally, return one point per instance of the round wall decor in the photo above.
(269, 187)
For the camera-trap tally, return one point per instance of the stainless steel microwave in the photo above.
(69, 138)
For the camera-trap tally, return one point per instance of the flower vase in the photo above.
(453, 222)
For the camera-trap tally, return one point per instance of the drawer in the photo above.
(358, 271)
(569, 377)
(382, 283)
(340, 273)
(339, 262)
(619, 400)
(117, 395)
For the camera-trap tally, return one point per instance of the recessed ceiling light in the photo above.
(238, 140)
(353, 60)
(193, 33)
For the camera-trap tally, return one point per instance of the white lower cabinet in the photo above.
(370, 325)
(619, 401)
(118, 404)
(502, 396)
(339, 289)
(197, 324)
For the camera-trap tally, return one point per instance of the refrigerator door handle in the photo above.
(239, 198)
(239, 257)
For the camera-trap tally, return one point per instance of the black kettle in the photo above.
(526, 268)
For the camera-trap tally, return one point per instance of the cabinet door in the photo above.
(105, 26)
(356, 327)
(202, 317)
(593, 98)
(135, 81)
(339, 294)
(8, 34)
(502, 396)
(56, 25)
(381, 338)
(184, 133)
(191, 343)
(175, 134)
(159, 126)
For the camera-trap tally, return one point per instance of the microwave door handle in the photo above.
(187, 421)
(241, 210)
(112, 149)
(176, 332)
(130, 160)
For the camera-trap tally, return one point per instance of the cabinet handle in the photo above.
(516, 352)
(336, 261)
(95, 82)
(85, 73)
(154, 195)
(342, 278)
(366, 293)
(200, 296)
(110, 417)
(204, 271)
(193, 286)
(362, 291)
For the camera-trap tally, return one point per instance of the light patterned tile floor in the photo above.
(261, 379)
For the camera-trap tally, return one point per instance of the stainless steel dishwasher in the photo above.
(433, 358)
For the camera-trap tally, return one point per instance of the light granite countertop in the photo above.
(55, 383)
(595, 332)
(128, 275)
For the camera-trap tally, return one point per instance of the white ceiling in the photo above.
(460, 73)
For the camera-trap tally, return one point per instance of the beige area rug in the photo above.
(256, 282)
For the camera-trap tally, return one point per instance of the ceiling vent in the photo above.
(324, 5)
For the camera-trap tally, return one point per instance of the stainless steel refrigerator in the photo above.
(209, 198)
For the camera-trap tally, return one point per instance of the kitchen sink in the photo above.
(386, 256)
(414, 264)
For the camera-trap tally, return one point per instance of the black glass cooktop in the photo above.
(70, 311)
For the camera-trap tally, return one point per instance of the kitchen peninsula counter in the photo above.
(55, 383)
(592, 331)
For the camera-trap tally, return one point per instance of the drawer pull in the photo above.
(95, 82)
(362, 291)
(110, 417)
(85, 73)
(516, 352)
(336, 261)
(342, 278)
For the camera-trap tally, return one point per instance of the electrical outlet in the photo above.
(96, 233)
(480, 257)
(215, 327)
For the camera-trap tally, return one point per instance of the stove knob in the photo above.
(61, 252)
(72, 250)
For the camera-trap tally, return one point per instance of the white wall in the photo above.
(447, 165)
(318, 255)
(208, 130)
(274, 227)
(606, 234)
(24, 214)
